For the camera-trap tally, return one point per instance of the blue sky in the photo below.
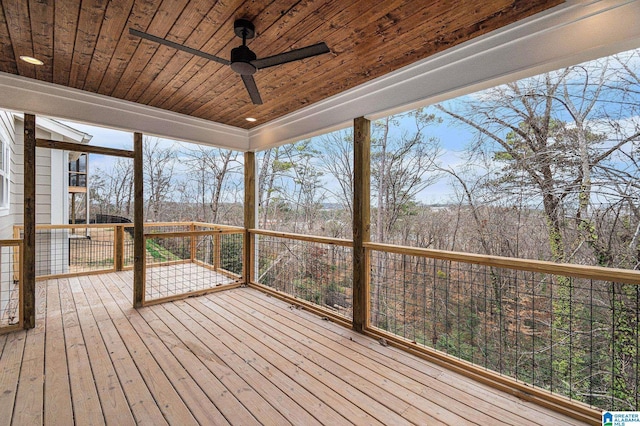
(455, 138)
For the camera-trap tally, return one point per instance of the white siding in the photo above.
(43, 178)
(49, 200)
(7, 132)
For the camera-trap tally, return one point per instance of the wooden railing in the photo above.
(527, 326)
(545, 329)
(306, 270)
(73, 250)
(203, 259)
(11, 299)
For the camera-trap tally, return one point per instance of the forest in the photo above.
(543, 168)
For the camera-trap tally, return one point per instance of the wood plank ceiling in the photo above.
(85, 44)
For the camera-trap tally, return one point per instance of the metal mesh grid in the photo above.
(9, 286)
(319, 273)
(161, 228)
(222, 251)
(575, 337)
(74, 250)
(128, 244)
(179, 265)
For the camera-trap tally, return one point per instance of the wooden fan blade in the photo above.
(292, 55)
(250, 84)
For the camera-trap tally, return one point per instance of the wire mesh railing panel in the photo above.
(224, 252)
(178, 265)
(73, 250)
(319, 273)
(165, 227)
(10, 302)
(127, 246)
(572, 336)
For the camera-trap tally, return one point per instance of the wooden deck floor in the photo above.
(233, 357)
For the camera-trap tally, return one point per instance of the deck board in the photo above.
(29, 393)
(10, 373)
(437, 384)
(281, 371)
(173, 408)
(233, 357)
(57, 392)
(265, 378)
(112, 399)
(31, 381)
(363, 394)
(84, 394)
(397, 398)
(200, 406)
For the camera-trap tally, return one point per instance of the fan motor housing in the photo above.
(241, 58)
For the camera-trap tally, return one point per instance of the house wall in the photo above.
(52, 187)
(43, 178)
(7, 132)
(51, 200)
(6, 225)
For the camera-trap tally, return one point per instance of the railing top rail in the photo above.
(158, 224)
(78, 226)
(215, 225)
(580, 271)
(129, 225)
(301, 237)
(190, 233)
(11, 242)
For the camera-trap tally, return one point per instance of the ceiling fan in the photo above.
(243, 60)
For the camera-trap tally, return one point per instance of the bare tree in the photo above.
(552, 130)
(568, 140)
(403, 163)
(337, 161)
(113, 189)
(158, 173)
(211, 171)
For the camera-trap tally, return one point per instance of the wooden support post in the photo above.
(29, 254)
(250, 215)
(138, 223)
(361, 221)
(118, 247)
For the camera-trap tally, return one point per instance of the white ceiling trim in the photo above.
(21, 94)
(574, 32)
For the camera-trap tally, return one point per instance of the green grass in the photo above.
(159, 253)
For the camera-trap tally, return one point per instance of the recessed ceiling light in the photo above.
(251, 119)
(31, 60)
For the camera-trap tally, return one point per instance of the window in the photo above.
(4, 174)
(78, 170)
